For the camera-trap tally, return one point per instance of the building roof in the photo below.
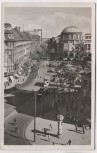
(7, 25)
(8, 31)
(21, 36)
(71, 29)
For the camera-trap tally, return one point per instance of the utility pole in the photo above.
(35, 119)
(36, 89)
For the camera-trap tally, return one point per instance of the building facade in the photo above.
(70, 37)
(87, 42)
(8, 50)
(22, 46)
(17, 48)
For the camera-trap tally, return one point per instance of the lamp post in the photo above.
(35, 91)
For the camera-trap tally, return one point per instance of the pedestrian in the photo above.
(50, 127)
(16, 128)
(45, 132)
(69, 142)
(15, 121)
(83, 128)
(48, 137)
(76, 127)
(18, 132)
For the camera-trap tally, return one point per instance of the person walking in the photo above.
(16, 128)
(50, 127)
(45, 132)
(69, 142)
(18, 132)
(76, 127)
(15, 121)
(83, 128)
(49, 137)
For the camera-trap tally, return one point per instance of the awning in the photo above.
(11, 77)
(8, 95)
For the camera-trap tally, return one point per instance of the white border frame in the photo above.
(52, 148)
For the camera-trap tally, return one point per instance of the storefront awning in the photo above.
(11, 77)
(8, 95)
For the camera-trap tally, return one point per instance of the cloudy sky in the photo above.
(51, 19)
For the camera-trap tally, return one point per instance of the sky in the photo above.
(52, 20)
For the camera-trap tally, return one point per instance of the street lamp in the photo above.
(35, 91)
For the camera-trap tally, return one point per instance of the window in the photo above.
(86, 37)
(89, 46)
(10, 52)
(89, 37)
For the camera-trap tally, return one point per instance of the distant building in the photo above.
(70, 37)
(22, 46)
(8, 50)
(87, 42)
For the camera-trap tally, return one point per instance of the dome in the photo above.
(71, 29)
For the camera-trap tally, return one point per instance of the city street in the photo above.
(24, 105)
(22, 102)
(77, 138)
(47, 75)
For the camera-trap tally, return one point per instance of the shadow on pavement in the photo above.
(11, 123)
(12, 131)
(53, 143)
(41, 132)
(78, 131)
(18, 137)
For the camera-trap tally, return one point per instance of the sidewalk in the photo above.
(10, 136)
(68, 133)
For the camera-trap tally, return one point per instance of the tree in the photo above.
(80, 50)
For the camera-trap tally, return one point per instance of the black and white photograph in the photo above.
(49, 74)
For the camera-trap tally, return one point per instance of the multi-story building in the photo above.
(87, 42)
(17, 48)
(70, 37)
(8, 50)
(22, 46)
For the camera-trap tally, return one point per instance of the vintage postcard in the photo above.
(48, 76)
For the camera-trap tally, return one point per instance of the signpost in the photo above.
(36, 89)
(60, 121)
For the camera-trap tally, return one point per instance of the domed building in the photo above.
(70, 36)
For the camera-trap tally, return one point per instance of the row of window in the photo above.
(88, 46)
(9, 36)
(87, 37)
(10, 68)
(10, 44)
(71, 36)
